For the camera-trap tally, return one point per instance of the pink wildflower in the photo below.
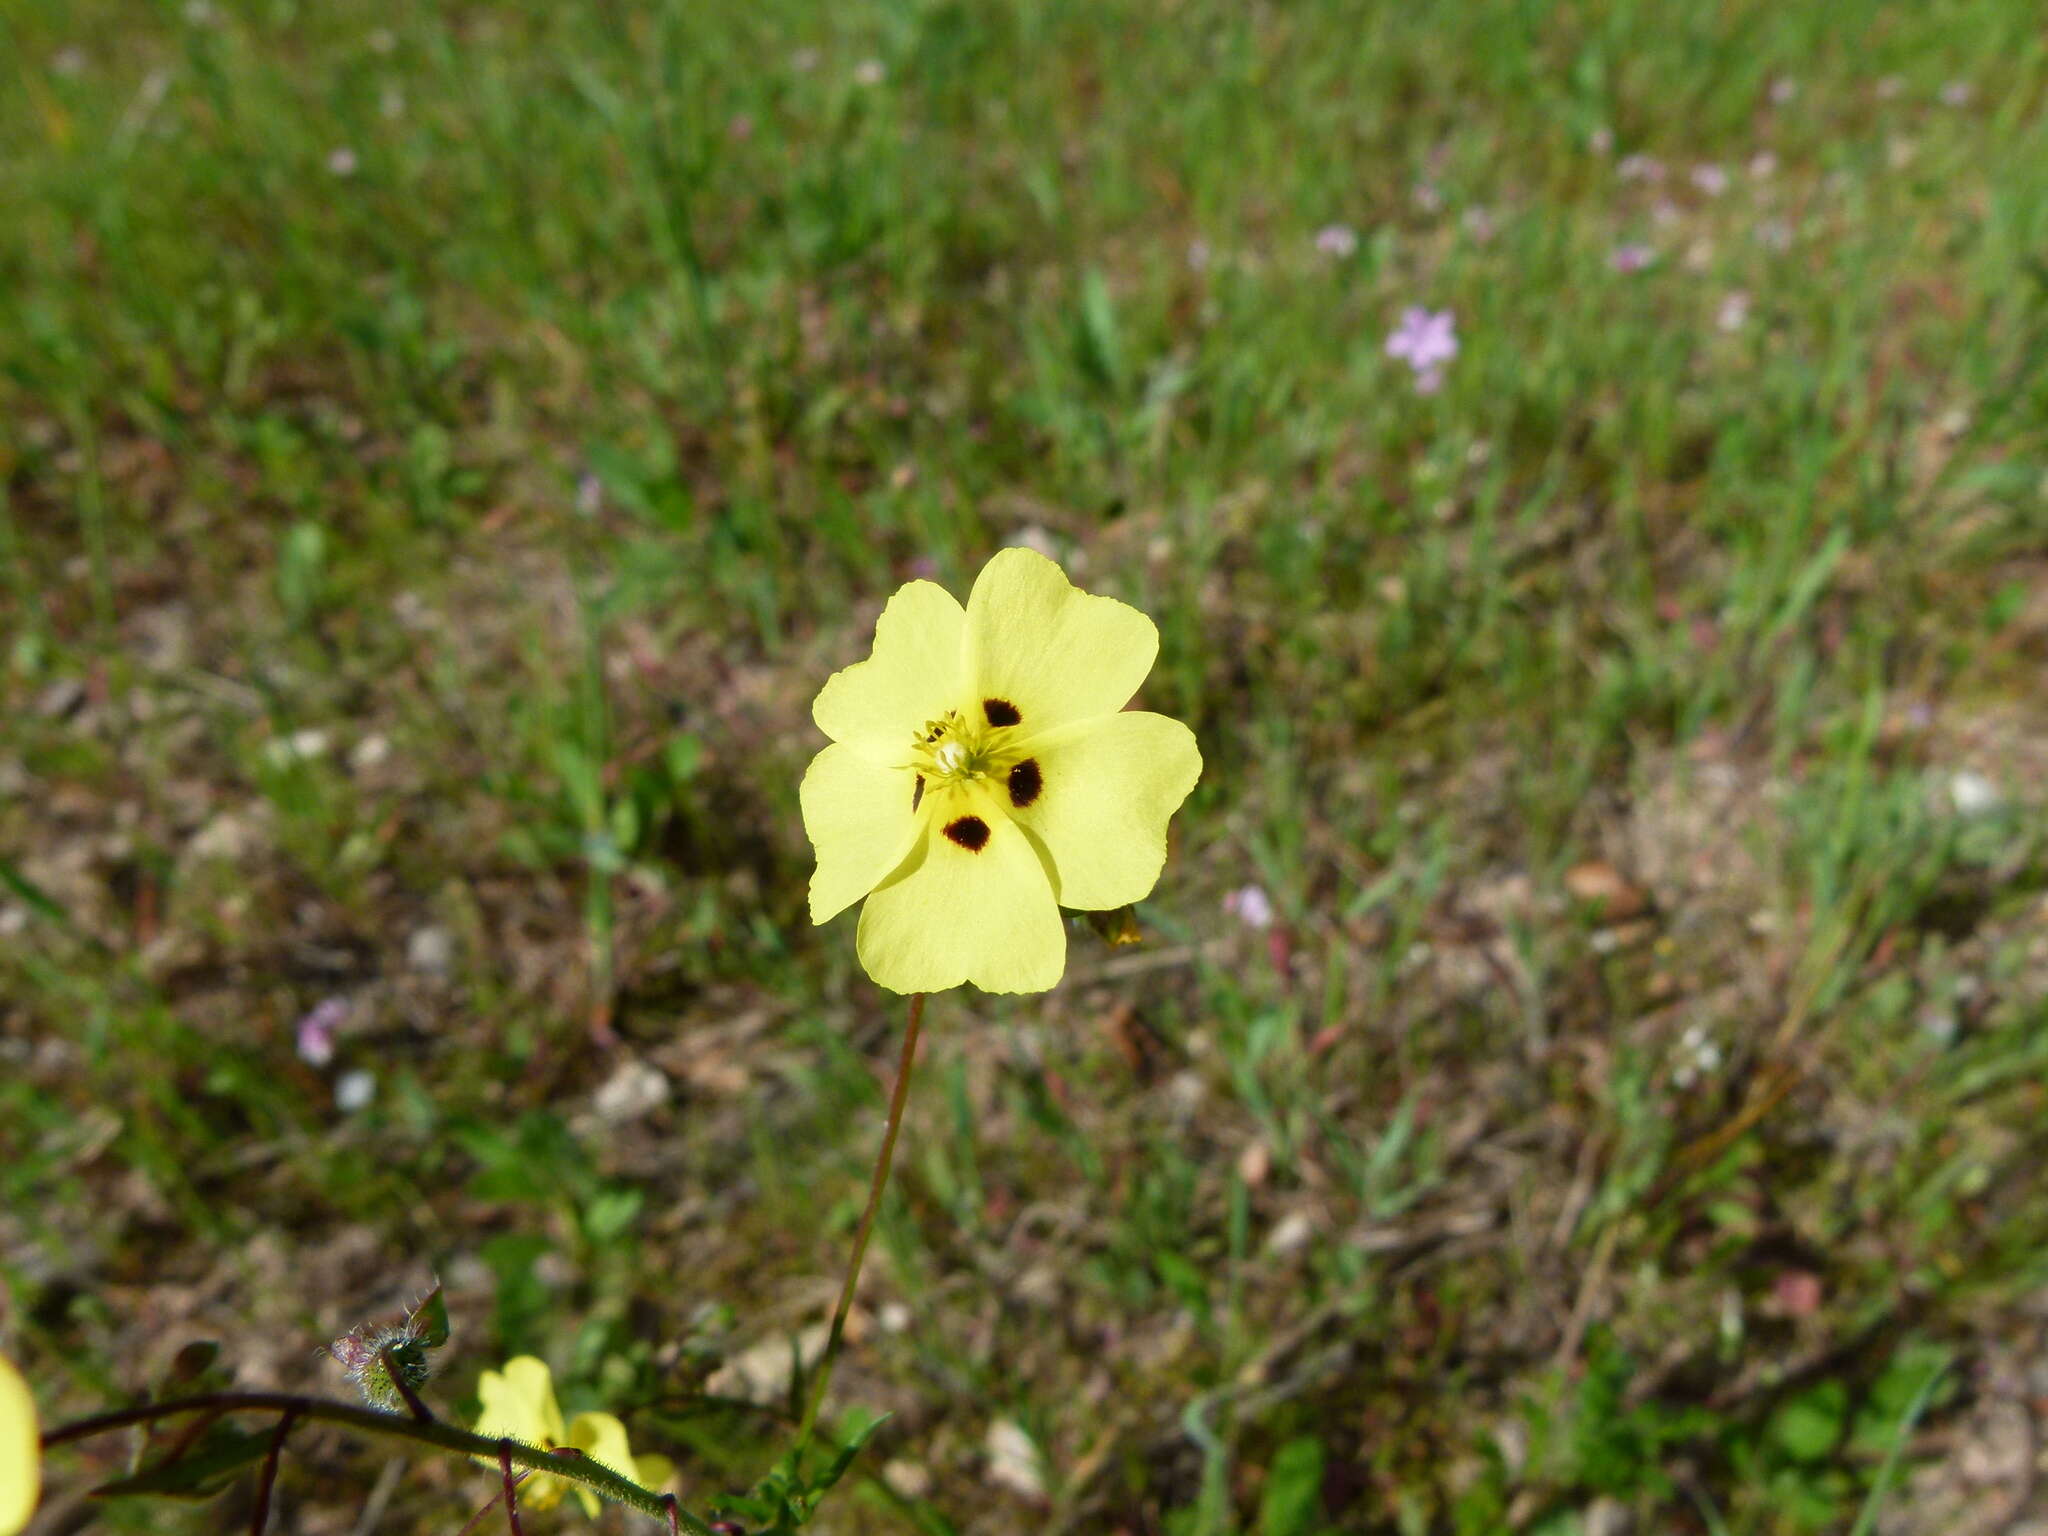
(1337, 241)
(1251, 906)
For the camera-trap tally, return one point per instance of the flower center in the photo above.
(955, 750)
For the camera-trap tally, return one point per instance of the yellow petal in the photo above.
(1053, 653)
(952, 913)
(544, 1490)
(602, 1438)
(519, 1403)
(914, 674)
(859, 818)
(1104, 791)
(654, 1472)
(20, 1451)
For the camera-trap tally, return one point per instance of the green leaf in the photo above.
(836, 1468)
(682, 755)
(201, 1472)
(1101, 353)
(33, 896)
(301, 570)
(1183, 1279)
(188, 1365)
(1293, 1496)
(609, 1215)
(431, 1316)
(1808, 1427)
(1935, 1362)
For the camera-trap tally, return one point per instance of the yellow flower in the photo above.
(20, 1451)
(983, 774)
(519, 1404)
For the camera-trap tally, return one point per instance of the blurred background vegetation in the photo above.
(442, 450)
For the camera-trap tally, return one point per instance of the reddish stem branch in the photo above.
(260, 1517)
(419, 1409)
(477, 1519)
(188, 1437)
(511, 1498)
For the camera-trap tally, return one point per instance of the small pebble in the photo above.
(1013, 1459)
(299, 747)
(634, 1089)
(1290, 1234)
(354, 1090)
(1972, 794)
(430, 951)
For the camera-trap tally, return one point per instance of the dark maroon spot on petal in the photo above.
(1025, 782)
(1000, 711)
(917, 794)
(970, 832)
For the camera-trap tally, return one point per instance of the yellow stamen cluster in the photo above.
(952, 751)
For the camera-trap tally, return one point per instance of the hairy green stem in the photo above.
(372, 1421)
(876, 1186)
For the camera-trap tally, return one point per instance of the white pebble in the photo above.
(354, 1090)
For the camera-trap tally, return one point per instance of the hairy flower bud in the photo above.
(387, 1362)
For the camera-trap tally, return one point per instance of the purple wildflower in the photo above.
(1250, 906)
(1956, 94)
(315, 1032)
(1640, 168)
(1337, 241)
(1710, 179)
(1424, 340)
(1633, 257)
(1733, 314)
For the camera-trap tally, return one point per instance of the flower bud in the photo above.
(387, 1362)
